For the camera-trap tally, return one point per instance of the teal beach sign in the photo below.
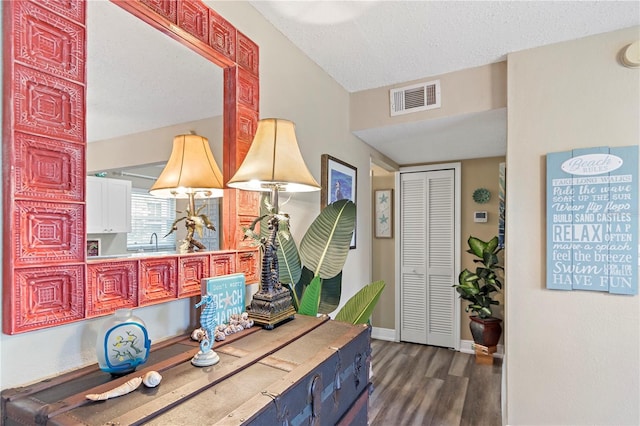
(228, 292)
(592, 220)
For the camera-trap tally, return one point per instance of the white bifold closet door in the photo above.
(427, 255)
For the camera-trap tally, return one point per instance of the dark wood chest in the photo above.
(307, 371)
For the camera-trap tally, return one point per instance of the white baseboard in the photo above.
(466, 346)
(388, 334)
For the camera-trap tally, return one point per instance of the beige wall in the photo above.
(383, 259)
(571, 357)
(478, 173)
(150, 147)
(292, 87)
(463, 92)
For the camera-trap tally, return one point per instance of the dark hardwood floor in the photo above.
(427, 385)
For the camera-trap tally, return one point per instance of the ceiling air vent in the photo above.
(418, 97)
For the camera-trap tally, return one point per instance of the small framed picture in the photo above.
(339, 181)
(93, 247)
(383, 206)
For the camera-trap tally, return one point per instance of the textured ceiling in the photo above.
(369, 44)
(366, 45)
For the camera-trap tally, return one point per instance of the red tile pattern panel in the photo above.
(248, 90)
(193, 17)
(111, 286)
(72, 9)
(48, 169)
(222, 35)
(47, 296)
(158, 280)
(248, 204)
(48, 105)
(223, 264)
(248, 264)
(248, 53)
(247, 126)
(165, 8)
(240, 116)
(48, 42)
(192, 269)
(49, 233)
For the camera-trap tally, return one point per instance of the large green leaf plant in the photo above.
(477, 287)
(313, 272)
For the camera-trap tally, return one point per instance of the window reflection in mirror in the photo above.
(143, 88)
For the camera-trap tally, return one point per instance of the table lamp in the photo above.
(191, 173)
(273, 164)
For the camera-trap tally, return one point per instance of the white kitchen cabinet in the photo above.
(108, 205)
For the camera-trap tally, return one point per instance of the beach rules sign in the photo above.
(592, 220)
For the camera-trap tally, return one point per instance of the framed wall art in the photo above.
(339, 181)
(383, 210)
(93, 247)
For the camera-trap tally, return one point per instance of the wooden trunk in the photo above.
(306, 371)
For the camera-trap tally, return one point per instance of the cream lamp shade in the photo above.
(274, 161)
(191, 169)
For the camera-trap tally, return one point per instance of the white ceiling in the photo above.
(362, 45)
(371, 44)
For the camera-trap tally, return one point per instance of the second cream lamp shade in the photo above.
(274, 161)
(191, 169)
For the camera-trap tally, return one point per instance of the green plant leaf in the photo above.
(311, 298)
(325, 245)
(476, 246)
(305, 279)
(358, 308)
(330, 294)
(472, 278)
(492, 245)
(288, 258)
(462, 278)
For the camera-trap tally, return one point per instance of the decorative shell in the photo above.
(151, 379)
(123, 389)
(197, 334)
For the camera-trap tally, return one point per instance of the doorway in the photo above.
(429, 254)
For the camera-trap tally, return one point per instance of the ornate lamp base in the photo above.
(271, 308)
(205, 359)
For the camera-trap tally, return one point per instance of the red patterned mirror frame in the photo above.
(47, 280)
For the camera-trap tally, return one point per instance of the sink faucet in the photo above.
(151, 240)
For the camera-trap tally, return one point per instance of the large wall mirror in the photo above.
(49, 122)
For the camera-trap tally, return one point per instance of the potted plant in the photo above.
(477, 288)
